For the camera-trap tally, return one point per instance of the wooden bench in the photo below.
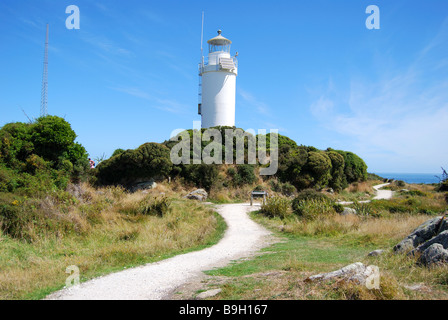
(258, 194)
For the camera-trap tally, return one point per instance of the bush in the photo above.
(400, 183)
(286, 188)
(52, 137)
(338, 180)
(202, 175)
(355, 168)
(313, 208)
(365, 209)
(276, 207)
(443, 185)
(339, 208)
(242, 175)
(117, 152)
(154, 206)
(148, 161)
(45, 147)
(246, 174)
(311, 194)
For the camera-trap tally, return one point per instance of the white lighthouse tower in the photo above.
(218, 84)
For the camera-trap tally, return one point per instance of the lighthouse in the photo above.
(217, 76)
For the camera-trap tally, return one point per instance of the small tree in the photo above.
(52, 137)
(150, 160)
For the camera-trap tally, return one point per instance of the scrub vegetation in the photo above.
(55, 212)
(315, 238)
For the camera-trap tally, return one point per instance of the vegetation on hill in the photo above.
(55, 211)
(148, 161)
(51, 217)
(39, 157)
(299, 167)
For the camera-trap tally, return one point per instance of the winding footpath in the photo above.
(156, 281)
(383, 194)
(380, 195)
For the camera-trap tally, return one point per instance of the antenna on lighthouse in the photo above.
(201, 67)
(44, 96)
(202, 36)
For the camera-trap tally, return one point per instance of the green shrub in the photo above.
(246, 174)
(202, 175)
(285, 188)
(31, 220)
(45, 147)
(400, 183)
(243, 174)
(365, 209)
(339, 208)
(52, 137)
(443, 185)
(355, 168)
(417, 193)
(276, 207)
(311, 194)
(148, 161)
(154, 206)
(313, 208)
(117, 152)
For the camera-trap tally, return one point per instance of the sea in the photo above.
(426, 178)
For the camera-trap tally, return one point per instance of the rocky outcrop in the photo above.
(421, 234)
(356, 272)
(348, 211)
(434, 254)
(143, 186)
(429, 242)
(199, 194)
(376, 253)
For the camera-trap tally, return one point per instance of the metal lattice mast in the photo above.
(44, 96)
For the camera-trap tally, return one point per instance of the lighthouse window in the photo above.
(217, 48)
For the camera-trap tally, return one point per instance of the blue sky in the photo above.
(308, 68)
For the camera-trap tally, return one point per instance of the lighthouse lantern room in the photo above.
(218, 84)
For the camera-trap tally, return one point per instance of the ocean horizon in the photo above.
(425, 178)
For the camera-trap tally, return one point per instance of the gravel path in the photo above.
(156, 281)
(380, 194)
(383, 194)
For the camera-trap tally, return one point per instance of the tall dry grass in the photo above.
(110, 237)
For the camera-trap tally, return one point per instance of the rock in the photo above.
(199, 194)
(356, 272)
(208, 294)
(348, 211)
(146, 185)
(417, 287)
(376, 253)
(421, 234)
(441, 238)
(435, 254)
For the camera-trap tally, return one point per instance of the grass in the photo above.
(114, 238)
(327, 244)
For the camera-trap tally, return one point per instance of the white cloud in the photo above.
(403, 117)
(169, 105)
